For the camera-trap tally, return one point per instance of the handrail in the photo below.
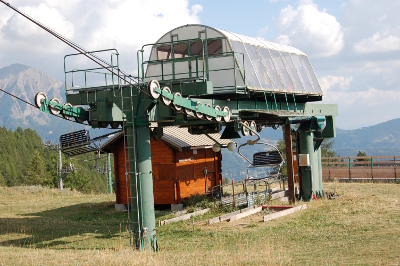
(114, 52)
(202, 73)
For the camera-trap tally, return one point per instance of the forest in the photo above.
(26, 160)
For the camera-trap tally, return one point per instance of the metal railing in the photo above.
(100, 73)
(361, 168)
(201, 69)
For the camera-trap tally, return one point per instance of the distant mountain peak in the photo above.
(13, 69)
(24, 82)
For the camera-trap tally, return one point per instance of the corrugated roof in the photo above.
(181, 139)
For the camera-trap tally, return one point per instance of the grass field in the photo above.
(40, 226)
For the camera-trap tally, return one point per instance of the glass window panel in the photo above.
(282, 70)
(214, 47)
(164, 52)
(180, 50)
(258, 66)
(272, 71)
(302, 73)
(311, 74)
(251, 77)
(294, 75)
(196, 48)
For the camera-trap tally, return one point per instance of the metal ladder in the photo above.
(131, 175)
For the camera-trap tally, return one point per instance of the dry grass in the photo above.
(39, 226)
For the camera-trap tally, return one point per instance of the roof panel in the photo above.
(267, 65)
(180, 138)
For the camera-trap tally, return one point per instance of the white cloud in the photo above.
(330, 83)
(360, 108)
(263, 31)
(122, 24)
(314, 31)
(18, 33)
(378, 43)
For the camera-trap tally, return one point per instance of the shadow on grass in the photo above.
(76, 226)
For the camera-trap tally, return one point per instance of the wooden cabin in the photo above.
(183, 165)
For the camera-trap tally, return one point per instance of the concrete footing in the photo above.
(121, 207)
(176, 207)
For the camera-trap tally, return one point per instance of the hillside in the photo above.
(381, 139)
(24, 160)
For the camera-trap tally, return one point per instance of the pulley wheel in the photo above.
(151, 87)
(252, 126)
(78, 119)
(245, 130)
(67, 105)
(227, 118)
(164, 99)
(209, 118)
(188, 111)
(177, 107)
(38, 99)
(217, 108)
(198, 114)
(53, 110)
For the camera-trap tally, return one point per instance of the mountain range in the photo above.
(24, 82)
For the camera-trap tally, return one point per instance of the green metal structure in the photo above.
(204, 79)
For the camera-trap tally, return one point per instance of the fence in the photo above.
(361, 168)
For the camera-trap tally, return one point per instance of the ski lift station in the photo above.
(208, 81)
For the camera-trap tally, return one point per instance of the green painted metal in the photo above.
(306, 147)
(85, 71)
(69, 111)
(144, 230)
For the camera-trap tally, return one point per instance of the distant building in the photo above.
(183, 164)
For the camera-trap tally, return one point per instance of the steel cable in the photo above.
(91, 56)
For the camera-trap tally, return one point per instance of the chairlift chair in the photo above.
(265, 159)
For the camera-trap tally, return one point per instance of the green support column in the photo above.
(312, 175)
(306, 147)
(144, 230)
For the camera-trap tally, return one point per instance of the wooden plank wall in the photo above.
(190, 171)
(176, 175)
(119, 170)
(164, 191)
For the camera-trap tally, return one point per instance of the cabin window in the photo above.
(164, 52)
(181, 50)
(214, 47)
(196, 49)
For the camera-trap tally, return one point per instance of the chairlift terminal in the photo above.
(201, 78)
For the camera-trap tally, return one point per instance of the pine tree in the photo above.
(35, 174)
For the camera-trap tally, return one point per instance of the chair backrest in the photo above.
(77, 138)
(267, 158)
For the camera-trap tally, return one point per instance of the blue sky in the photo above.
(353, 45)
